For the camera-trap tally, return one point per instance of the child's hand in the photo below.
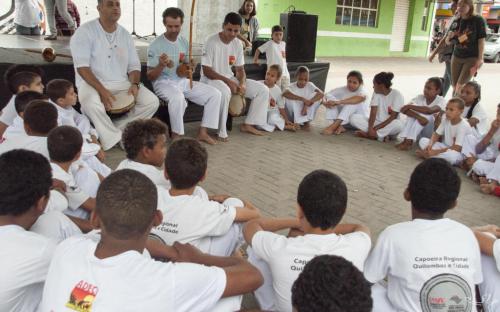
(307, 102)
(187, 252)
(93, 139)
(372, 133)
(233, 86)
(101, 155)
(495, 124)
(242, 88)
(490, 228)
(219, 198)
(58, 185)
(428, 148)
(272, 102)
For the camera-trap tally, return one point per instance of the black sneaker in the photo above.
(50, 37)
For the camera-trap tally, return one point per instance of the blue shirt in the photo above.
(177, 51)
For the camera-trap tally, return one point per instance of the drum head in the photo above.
(123, 103)
(237, 105)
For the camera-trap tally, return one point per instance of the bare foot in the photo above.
(469, 162)
(477, 179)
(206, 138)
(329, 130)
(421, 153)
(250, 129)
(483, 180)
(306, 126)
(487, 188)
(290, 128)
(221, 139)
(361, 134)
(340, 130)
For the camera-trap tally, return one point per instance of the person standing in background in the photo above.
(250, 26)
(27, 17)
(61, 25)
(62, 6)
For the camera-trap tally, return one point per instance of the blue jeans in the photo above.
(30, 31)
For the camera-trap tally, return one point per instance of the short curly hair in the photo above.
(434, 186)
(25, 177)
(141, 133)
(40, 116)
(331, 283)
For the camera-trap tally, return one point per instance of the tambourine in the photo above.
(123, 103)
(237, 105)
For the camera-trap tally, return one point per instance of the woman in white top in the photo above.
(474, 112)
(342, 102)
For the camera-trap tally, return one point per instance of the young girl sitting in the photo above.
(474, 112)
(384, 109)
(420, 112)
(276, 114)
(342, 102)
(452, 130)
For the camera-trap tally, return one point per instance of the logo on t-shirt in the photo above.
(82, 297)
(446, 292)
(232, 60)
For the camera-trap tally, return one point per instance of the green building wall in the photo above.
(329, 44)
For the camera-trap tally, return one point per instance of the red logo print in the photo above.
(232, 60)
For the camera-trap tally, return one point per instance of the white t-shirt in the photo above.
(15, 129)
(287, 257)
(110, 56)
(191, 219)
(275, 54)
(221, 57)
(27, 13)
(9, 112)
(411, 254)
(275, 94)
(496, 253)
(386, 104)
(420, 100)
(28, 142)
(342, 93)
(480, 114)
(74, 193)
(126, 282)
(70, 117)
(56, 226)
(24, 263)
(307, 92)
(453, 134)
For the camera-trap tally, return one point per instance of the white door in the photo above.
(399, 24)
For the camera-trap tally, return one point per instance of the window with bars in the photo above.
(357, 13)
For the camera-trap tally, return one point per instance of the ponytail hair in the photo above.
(384, 78)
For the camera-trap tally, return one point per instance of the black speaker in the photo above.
(299, 33)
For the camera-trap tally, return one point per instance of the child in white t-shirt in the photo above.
(275, 51)
(65, 146)
(431, 261)
(488, 238)
(112, 273)
(385, 105)
(25, 181)
(452, 130)
(21, 101)
(213, 225)
(341, 103)
(474, 112)
(480, 152)
(322, 201)
(421, 112)
(19, 78)
(276, 114)
(302, 99)
(331, 283)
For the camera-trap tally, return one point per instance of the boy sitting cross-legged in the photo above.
(322, 201)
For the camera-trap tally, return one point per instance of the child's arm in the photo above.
(483, 144)
(371, 121)
(433, 152)
(351, 228)
(289, 95)
(473, 121)
(84, 225)
(267, 224)
(247, 212)
(317, 96)
(383, 124)
(284, 115)
(486, 241)
(161, 251)
(241, 276)
(256, 56)
(3, 127)
(353, 100)
(89, 204)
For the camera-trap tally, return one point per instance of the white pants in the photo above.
(343, 112)
(469, 148)
(256, 91)
(284, 83)
(226, 244)
(264, 294)
(176, 93)
(62, 8)
(294, 111)
(229, 304)
(381, 302)
(96, 165)
(360, 122)
(412, 128)
(451, 156)
(110, 131)
(487, 168)
(490, 287)
(274, 120)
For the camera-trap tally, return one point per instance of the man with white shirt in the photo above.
(167, 55)
(25, 181)
(223, 51)
(488, 238)
(106, 63)
(113, 274)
